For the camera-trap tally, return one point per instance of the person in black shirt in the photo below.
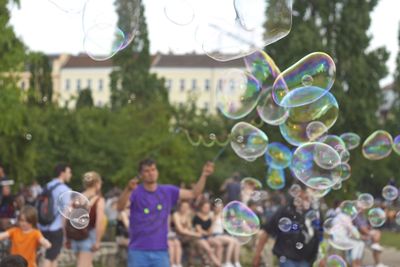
(297, 245)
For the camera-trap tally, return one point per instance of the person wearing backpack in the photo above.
(51, 222)
(86, 241)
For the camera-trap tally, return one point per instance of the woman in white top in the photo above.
(233, 245)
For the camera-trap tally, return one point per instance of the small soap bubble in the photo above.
(285, 224)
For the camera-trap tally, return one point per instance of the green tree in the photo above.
(84, 99)
(40, 83)
(131, 78)
(340, 28)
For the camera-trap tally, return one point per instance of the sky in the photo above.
(45, 26)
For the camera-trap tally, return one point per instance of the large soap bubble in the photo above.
(69, 6)
(324, 110)
(104, 34)
(349, 208)
(343, 232)
(315, 130)
(305, 167)
(335, 261)
(352, 140)
(278, 156)
(248, 141)
(396, 145)
(70, 203)
(378, 145)
(338, 144)
(237, 94)
(376, 217)
(180, 12)
(295, 86)
(239, 220)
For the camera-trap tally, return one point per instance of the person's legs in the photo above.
(376, 238)
(137, 258)
(178, 252)
(217, 245)
(158, 259)
(207, 248)
(56, 240)
(230, 242)
(171, 251)
(85, 259)
(236, 251)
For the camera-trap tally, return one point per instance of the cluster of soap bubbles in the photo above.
(74, 207)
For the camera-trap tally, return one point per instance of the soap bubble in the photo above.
(278, 156)
(246, 31)
(349, 208)
(296, 86)
(285, 224)
(336, 143)
(390, 192)
(295, 190)
(269, 111)
(335, 261)
(312, 216)
(79, 218)
(305, 168)
(376, 217)
(328, 225)
(218, 202)
(351, 140)
(318, 193)
(237, 94)
(69, 6)
(315, 130)
(250, 183)
(28, 136)
(276, 178)
(104, 35)
(397, 218)
(343, 232)
(179, 12)
(299, 245)
(70, 202)
(378, 145)
(365, 201)
(396, 145)
(239, 220)
(343, 170)
(255, 141)
(337, 186)
(326, 158)
(325, 110)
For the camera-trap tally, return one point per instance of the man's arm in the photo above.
(198, 188)
(123, 199)
(259, 248)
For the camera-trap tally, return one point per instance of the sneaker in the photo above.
(377, 247)
(237, 264)
(227, 264)
(381, 265)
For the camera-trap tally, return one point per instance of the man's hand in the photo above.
(133, 183)
(208, 169)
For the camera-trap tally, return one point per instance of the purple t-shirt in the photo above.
(148, 223)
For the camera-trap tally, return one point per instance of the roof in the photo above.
(159, 60)
(194, 61)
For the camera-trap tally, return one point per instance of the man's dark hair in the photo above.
(60, 168)
(146, 162)
(13, 261)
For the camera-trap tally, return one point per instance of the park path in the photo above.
(390, 257)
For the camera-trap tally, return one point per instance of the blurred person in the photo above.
(54, 231)
(286, 243)
(231, 187)
(122, 231)
(232, 244)
(202, 223)
(151, 204)
(84, 249)
(7, 201)
(174, 245)
(13, 261)
(25, 237)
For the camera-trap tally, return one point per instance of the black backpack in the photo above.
(45, 205)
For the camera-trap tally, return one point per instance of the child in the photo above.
(13, 261)
(25, 238)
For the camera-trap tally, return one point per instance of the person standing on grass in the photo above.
(151, 204)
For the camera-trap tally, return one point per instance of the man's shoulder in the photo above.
(169, 187)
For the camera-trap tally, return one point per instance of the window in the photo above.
(67, 84)
(78, 84)
(168, 84)
(100, 85)
(99, 103)
(89, 83)
(194, 84)
(182, 85)
(207, 84)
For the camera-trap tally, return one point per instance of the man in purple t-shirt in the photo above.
(151, 204)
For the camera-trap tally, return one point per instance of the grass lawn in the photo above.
(391, 239)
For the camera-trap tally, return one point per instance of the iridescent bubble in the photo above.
(239, 220)
(390, 192)
(218, 202)
(269, 111)
(278, 156)
(237, 94)
(337, 186)
(305, 168)
(325, 110)
(28, 136)
(312, 215)
(212, 136)
(349, 208)
(343, 170)
(255, 141)
(242, 240)
(315, 130)
(318, 193)
(317, 70)
(226, 38)
(378, 145)
(396, 145)
(365, 201)
(276, 178)
(328, 225)
(79, 218)
(250, 183)
(295, 190)
(299, 245)
(335, 261)
(179, 12)
(376, 217)
(343, 232)
(69, 6)
(70, 202)
(104, 36)
(352, 140)
(336, 143)
(285, 224)
(397, 218)
(326, 158)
